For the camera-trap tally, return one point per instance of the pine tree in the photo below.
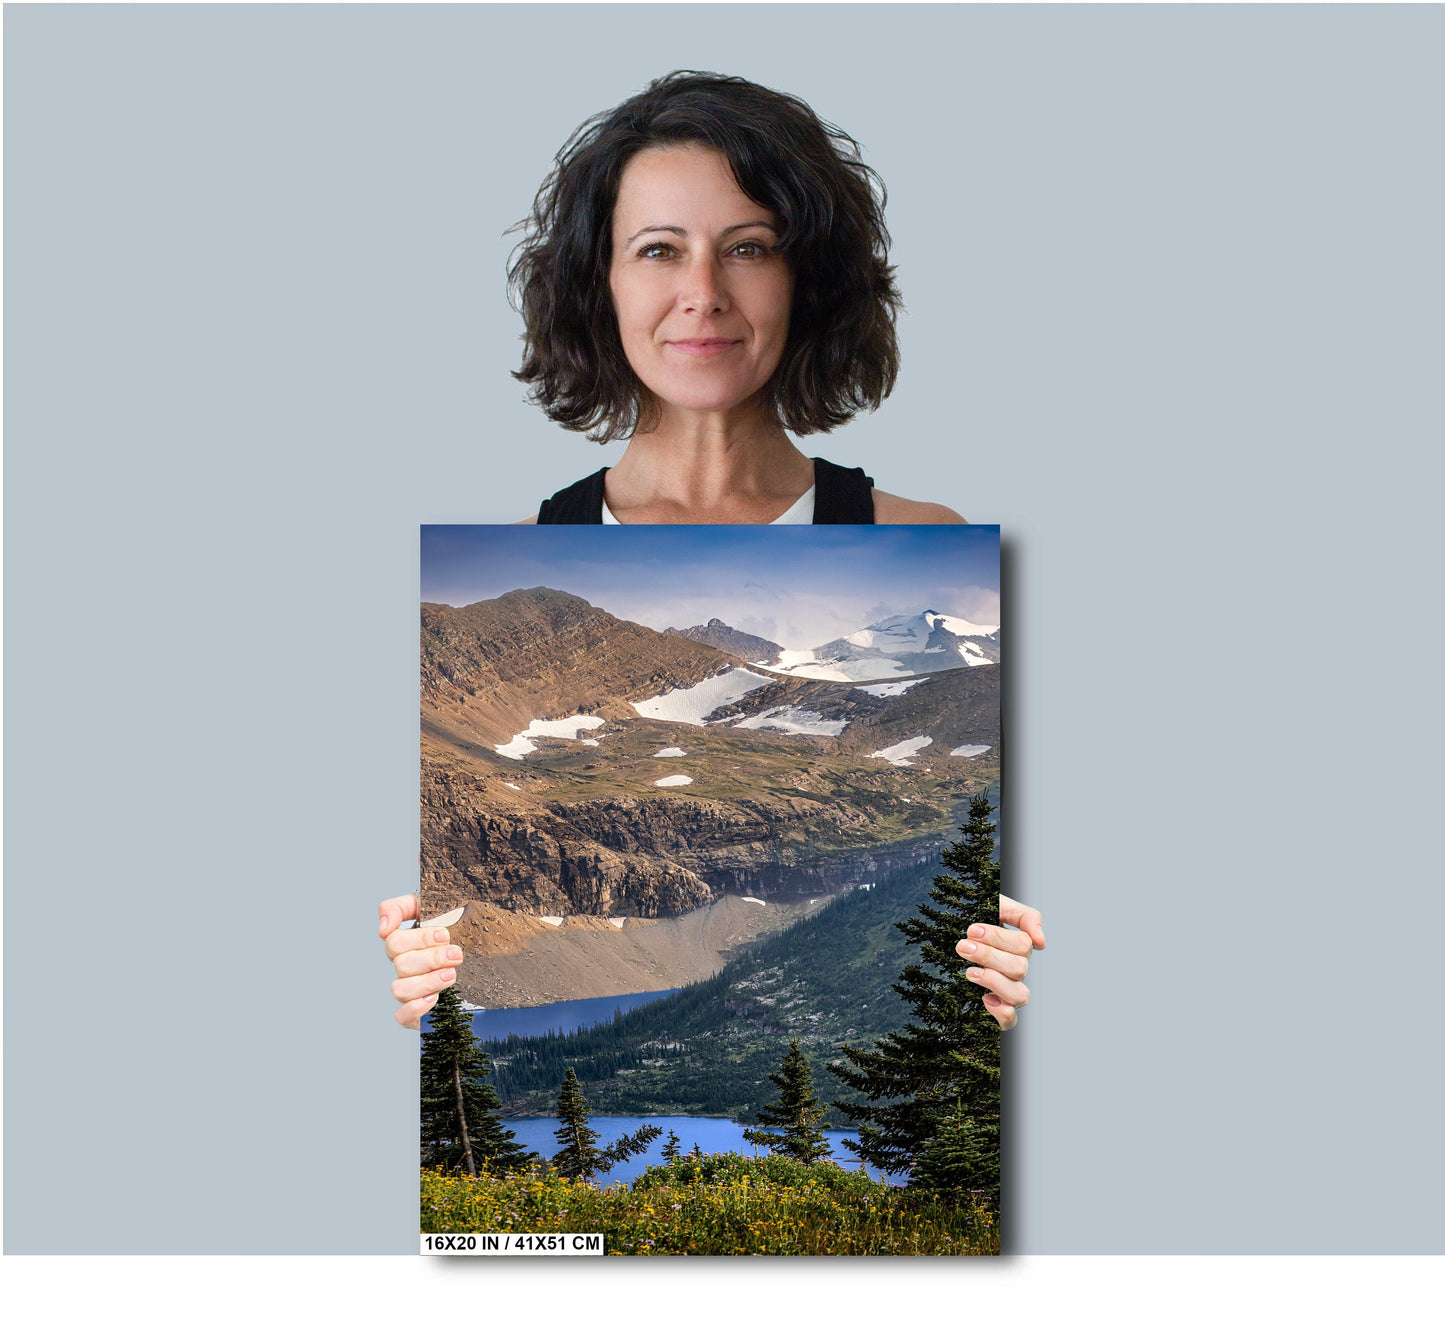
(962, 1155)
(458, 1127)
(938, 1077)
(579, 1155)
(672, 1147)
(798, 1112)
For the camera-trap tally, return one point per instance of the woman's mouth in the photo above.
(703, 347)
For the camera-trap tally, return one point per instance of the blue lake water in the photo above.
(714, 1135)
(499, 1023)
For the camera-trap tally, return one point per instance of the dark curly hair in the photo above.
(841, 354)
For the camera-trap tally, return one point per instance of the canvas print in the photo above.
(707, 810)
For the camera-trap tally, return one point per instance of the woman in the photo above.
(704, 271)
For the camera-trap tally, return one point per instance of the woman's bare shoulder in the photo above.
(522, 522)
(895, 509)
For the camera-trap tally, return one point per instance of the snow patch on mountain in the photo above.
(522, 744)
(891, 689)
(900, 753)
(899, 633)
(792, 659)
(844, 671)
(673, 781)
(971, 749)
(793, 719)
(693, 705)
(670, 751)
(959, 627)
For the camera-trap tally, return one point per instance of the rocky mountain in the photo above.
(489, 669)
(577, 763)
(955, 708)
(745, 646)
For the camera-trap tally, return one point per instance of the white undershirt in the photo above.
(801, 512)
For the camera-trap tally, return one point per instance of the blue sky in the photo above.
(797, 586)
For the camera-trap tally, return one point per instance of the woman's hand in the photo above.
(1002, 958)
(424, 958)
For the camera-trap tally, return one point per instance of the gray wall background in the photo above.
(1174, 320)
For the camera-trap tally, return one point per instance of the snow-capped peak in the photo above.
(894, 648)
(905, 633)
(959, 627)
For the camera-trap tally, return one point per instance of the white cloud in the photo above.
(976, 604)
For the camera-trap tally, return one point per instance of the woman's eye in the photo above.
(749, 248)
(655, 250)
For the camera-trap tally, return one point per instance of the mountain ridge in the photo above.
(543, 718)
(731, 641)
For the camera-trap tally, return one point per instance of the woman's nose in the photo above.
(704, 289)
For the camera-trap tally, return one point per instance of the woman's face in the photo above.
(701, 291)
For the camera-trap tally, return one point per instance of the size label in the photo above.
(512, 1244)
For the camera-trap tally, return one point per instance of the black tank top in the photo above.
(840, 495)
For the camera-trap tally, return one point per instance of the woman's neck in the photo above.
(708, 469)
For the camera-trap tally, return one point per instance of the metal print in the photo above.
(707, 810)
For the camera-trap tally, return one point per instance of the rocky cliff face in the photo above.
(625, 856)
(739, 846)
(534, 861)
(827, 875)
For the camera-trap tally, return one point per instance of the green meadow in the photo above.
(719, 1205)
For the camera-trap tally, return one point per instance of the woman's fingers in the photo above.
(394, 911)
(985, 955)
(424, 957)
(1011, 992)
(415, 937)
(1001, 937)
(1001, 958)
(1026, 919)
(410, 1015)
(1005, 1014)
(418, 962)
(411, 988)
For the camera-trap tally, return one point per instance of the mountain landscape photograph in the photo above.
(679, 788)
